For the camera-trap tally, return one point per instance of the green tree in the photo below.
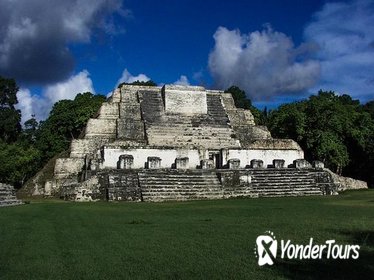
(149, 83)
(66, 121)
(289, 121)
(10, 117)
(334, 129)
(30, 130)
(17, 162)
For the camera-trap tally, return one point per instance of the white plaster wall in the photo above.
(267, 156)
(111, 156)
(185, 102)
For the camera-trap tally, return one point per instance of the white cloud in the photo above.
(182, 81)
(68, 89)
(127, 77)
(25, 103)
(42, 31)
(40, 105)
(264, 64)
(344, 34)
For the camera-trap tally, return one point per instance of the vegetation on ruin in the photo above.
(332, 128)
(335, 129)
(25, 150)
(183, 240)
(148, 83)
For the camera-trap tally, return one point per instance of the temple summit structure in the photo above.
(180, 143)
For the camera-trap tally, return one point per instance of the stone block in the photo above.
(101, 127)
(153, 162)
(185, 100)
(131, 111)
(68, 166)
(278, 163)
(108, 111)
(207, 164)
(94, 164)
(116, 96)
(182, 163)
(126, 162)
(234, 163)
(318, 164)
(302, 163)
(257, 163)
(130, 129)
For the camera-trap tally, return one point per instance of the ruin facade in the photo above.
(178, 143)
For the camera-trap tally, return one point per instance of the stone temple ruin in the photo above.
(180, 143)
(8, 196)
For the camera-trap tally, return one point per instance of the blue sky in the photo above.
(277, 51)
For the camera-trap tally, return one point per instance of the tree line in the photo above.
(332, 128)
(335, 129)
(24, 150)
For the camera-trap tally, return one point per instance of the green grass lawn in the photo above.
(182, 240)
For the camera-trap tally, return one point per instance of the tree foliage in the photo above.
(149, 83)
(331, 128)
(66, 121)
(17, 162)
(38, 142)
(10, 117)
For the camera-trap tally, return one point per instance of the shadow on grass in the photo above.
(361, 268)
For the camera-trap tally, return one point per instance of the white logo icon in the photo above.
(266, 248)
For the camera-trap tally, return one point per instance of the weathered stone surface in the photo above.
(345, 183)
(274, 182)
(173, 184)
(153, 162)
(130, 129)
(302, 163)
(185, 100)
(318, 164)
(176, 143)
(101, 127)
(8, 196)
(278, 163)
(234, 163)
(126, 162)
(257, 163)
(123, 187)
(108, 111)
(207, 164)
(182, 162)
(68, 166)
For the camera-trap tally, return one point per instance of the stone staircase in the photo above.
(8, 196)
(176, 130)
(170, 185)
(151, 105)
(216, 112)
(277, 182)
(123, 186)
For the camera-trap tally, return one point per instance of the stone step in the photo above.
(284, 181)
(177, 179)
(172, 131)
(270, 193)
(156, 192)
(10, 202)
(175, 185)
